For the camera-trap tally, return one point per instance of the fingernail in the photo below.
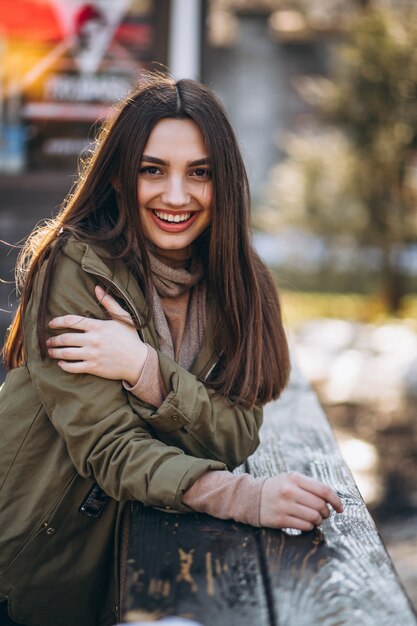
(100, 290)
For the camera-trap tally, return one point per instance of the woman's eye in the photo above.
(202, 173)
(149, 169)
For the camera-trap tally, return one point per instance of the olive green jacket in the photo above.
(62, 433)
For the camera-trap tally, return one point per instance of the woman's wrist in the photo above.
(227, 496)
(136, 364)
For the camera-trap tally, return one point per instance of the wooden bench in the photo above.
(221, 573)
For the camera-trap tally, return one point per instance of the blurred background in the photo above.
(323, 96)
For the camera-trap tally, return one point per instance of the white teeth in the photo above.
(167, 217)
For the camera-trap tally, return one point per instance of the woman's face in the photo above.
(175, 188)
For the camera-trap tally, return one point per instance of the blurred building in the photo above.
(254, 53)
(63, 62)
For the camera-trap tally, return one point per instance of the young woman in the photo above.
(147, 339)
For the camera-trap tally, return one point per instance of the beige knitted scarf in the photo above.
(170, 282)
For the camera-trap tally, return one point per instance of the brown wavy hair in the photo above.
(248, 334)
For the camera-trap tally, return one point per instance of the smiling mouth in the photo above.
(171, 218)
(173, 222)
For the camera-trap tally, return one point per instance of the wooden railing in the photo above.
(221, 573)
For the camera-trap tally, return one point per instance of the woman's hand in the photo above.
(296, 501)
(106, 348)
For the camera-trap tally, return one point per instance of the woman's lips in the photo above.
(173, 227)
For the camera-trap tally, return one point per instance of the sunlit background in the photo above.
(323, 95)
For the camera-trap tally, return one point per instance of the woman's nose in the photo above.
(175, 192)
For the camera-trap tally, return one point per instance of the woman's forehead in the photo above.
(176, 138)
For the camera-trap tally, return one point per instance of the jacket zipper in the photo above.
(125, 297)
(211, 367)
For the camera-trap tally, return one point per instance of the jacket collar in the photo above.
(97, 261)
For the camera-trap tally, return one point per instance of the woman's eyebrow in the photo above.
(203, 161)
(151, 159)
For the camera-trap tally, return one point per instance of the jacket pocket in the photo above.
(62, 574)
(42, 526)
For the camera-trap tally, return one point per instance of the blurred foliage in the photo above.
(333, 279)
(299, 307)
(354, 174)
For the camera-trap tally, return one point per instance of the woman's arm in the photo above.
(189, 414)
(208, 421)
(284, 501)
(106, 440)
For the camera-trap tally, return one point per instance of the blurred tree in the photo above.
(356, 174)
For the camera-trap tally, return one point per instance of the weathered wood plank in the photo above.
(193, 566)
(342, 574)
(226, 574)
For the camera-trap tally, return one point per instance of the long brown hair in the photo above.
(248, 335)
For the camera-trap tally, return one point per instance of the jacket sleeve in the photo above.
(106, 439)
(198, 419)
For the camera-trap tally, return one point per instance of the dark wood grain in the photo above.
(340, 574)
(225, 574)
(193, 566)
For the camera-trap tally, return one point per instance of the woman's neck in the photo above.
(177, 259)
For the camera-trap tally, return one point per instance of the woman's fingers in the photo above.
(296, 501)
(290, 521)
(311, 501)
(81, 323)
(305, 513)
(66, 339)
(69, 354)
(74, 367)
(109, 348)
(321, 490)
(112, 307)
(76, 322)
